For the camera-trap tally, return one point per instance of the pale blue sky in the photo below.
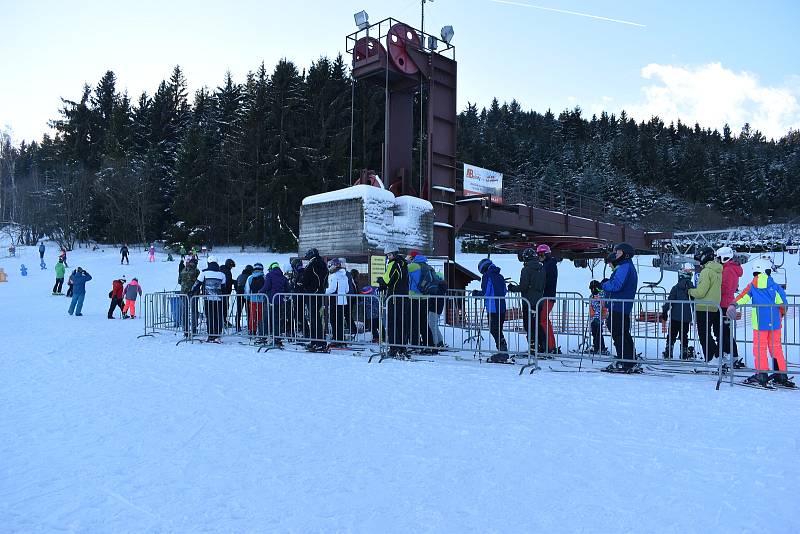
(712, 60)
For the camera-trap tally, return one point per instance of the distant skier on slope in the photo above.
(116, 294)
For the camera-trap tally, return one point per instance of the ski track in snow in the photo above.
(104, 432)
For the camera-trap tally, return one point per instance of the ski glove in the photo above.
(731, 312)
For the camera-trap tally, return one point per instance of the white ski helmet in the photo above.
(687, 267)
(725, 254)
(761, 265)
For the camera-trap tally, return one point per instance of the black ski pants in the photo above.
(619, 325)
(496, 321)
(125, 259)
(538, 339)
(115, 303)
(708, 329)
(598, 343)
(678, 329)
(214, 318)
(57, 285)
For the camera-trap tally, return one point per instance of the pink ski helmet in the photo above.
(543, 249)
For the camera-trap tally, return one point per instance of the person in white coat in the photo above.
(338, 285)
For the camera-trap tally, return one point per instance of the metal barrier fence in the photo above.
(166, 311)
(638, 336)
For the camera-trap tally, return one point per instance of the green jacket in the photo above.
(60, 269)
(709, 287)
(187, 278)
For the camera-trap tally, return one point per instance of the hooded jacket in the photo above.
(274, 282)
(211, 280)
(188, 277)
(417, 270)
(132, 290)
(79, 282)
(709, 287)
(253, 284)
(731, 272)
(117, 289)
(622, 285)
(228, 285)
(241, 280)
(551, 276)
(396, 277)
(532, 281)
(493, 285)
(766, 297)
(314, 276)
(338, 285)
(679, 312)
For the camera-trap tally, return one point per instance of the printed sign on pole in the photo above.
(479, 181)
(377, 268)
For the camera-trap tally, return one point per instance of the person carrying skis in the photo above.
(597, 313)
(59, 268)
(152, 253)
(767, 299)
(124, 255)
(731, 273)
(132, 290)
(210, 282)
(493, 287)
(116, 294)
(531, 287)
(395, 282)
(339, 285)
(241, 302)
(619, 288)
(41, 251)
(550, 287)
(313, 283)
(255, 316)
(708, 294)
(78, 279)
(680, 314)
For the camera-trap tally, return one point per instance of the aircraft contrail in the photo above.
(520, 4)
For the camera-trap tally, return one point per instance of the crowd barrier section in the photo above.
(631, 332)
(787, 318)
(628, 331)
(165, 311)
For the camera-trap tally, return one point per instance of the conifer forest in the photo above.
(231, 165)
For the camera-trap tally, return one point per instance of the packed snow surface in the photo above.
(104, 432)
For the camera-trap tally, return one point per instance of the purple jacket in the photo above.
(274, 282)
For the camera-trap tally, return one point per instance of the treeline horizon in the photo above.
(231, 165)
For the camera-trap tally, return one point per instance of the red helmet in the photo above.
(543, 249)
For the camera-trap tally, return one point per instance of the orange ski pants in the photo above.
(764, 340)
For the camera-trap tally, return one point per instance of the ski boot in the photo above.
(782, 380)
(758, 379)
(667, 354)
(688, 354)
(498, 358)
(739, 364)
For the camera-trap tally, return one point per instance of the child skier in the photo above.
(59, 277)
(767, 298)
(493, 288)
(116, 294)
(597, 314)
(680, 314)
(152, 253)
(132, 290)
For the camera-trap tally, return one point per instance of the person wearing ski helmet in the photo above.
(531, 286)
(116, 295)
(731, 273)
(707, 296)
(767, 299)
(398, 312)
(550, 287)
(313, 282)
(493, 288)
(680, 313)
(620, 290)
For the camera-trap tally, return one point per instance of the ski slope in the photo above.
(104, 432)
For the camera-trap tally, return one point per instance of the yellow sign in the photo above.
(377, 268)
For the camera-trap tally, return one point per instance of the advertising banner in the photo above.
(478, 181)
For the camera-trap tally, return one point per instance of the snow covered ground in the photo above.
(104, 432)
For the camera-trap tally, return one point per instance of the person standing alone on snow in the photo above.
(116, 294)
(59, 277)
(41, 251)
(152, 253)
(132, 290)
(79, 279)
(124, 252)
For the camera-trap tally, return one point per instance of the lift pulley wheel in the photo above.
(399, 38)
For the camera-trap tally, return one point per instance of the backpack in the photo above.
(429, 283)
(352, 288)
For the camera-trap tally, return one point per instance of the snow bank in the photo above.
(367, 192)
